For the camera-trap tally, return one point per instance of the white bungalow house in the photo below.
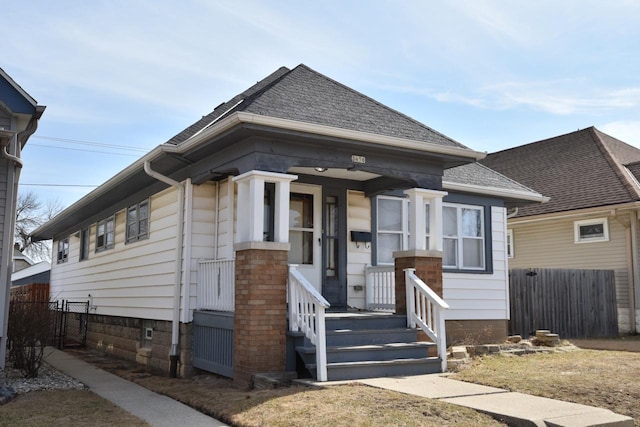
(299, 226)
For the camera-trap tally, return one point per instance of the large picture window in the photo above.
(138, 221)
(105, 233)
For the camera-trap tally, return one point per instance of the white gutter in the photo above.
(175, 325)
(495, 191)
(600, 210)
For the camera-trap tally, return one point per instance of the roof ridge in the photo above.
(614, 163)
(517, 147)
(362, 95)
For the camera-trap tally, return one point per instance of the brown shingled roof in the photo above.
(581, 169)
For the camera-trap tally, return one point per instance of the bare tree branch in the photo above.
(31, 214)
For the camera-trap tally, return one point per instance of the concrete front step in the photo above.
(384, 368)
(351, 337)
(372, 352)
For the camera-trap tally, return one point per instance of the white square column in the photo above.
(250, 210)
(418, 197)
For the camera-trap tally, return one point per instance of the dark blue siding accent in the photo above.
(213, 342)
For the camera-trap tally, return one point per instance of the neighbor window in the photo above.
(105, 233)
(463, 237)
(84, 244)
(63, 250)
(138, 221)
(510, 249)
(591, 230)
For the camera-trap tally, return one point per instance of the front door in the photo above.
(334, 262)
(317, 233)
(305, 231)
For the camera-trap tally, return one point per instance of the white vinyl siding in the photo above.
(550, 244)
(482, 296)
(358, 254)
(130, 280)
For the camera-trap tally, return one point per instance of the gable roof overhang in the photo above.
(192, 159)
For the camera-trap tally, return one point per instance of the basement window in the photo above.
(591, 230)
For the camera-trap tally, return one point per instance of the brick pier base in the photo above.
(428, 265)
(260, 310)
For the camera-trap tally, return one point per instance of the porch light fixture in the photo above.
(319, 169)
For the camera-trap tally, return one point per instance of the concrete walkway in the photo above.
(514, 408)
(155, 409)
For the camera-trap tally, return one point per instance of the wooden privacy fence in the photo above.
(34, 292)
(572, 303)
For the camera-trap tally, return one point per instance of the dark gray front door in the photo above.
(334, 257)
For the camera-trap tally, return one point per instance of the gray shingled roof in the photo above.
(481, 176)
(305, 95)
(582, 169)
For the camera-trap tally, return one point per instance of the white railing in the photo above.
(426, 310)
(380, 288)
(216, 285)
(306, 314)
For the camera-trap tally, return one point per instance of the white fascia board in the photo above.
(494, 191)
(38, 268)
(241, 117)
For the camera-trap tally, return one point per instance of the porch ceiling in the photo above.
(352, 175)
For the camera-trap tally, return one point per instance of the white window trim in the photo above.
(578, 224)
(511, 251)
(404, 233)
(460, 238)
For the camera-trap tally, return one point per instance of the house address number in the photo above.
(358, 159)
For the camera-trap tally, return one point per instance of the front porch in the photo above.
(323, 343)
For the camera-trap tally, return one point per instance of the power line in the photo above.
(80, 149)
(59, 185)
(91, 143)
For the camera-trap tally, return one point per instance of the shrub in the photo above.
(29, 331)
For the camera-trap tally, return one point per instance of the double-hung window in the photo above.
(463, 237)
(138, 221)
(105, 233)
(393, 224)
(63, 250)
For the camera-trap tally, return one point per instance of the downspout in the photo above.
(188, 228)
(175, 326)
(217, 220)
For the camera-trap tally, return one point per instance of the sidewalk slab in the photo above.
(431, 386)
(525, 409)
(515, 408)
(156, 409)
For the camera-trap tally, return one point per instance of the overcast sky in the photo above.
(489, 74)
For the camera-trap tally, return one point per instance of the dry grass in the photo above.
(607, 379)
(64, 408)
(339, 406)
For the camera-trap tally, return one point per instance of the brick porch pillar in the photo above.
(428, 265)
(426, 259)
(260, 319)
(260, 322)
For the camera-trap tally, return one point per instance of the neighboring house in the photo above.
(185, 254)
(591, 221)
(32, 283)
(20, 260)
(19, 115)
